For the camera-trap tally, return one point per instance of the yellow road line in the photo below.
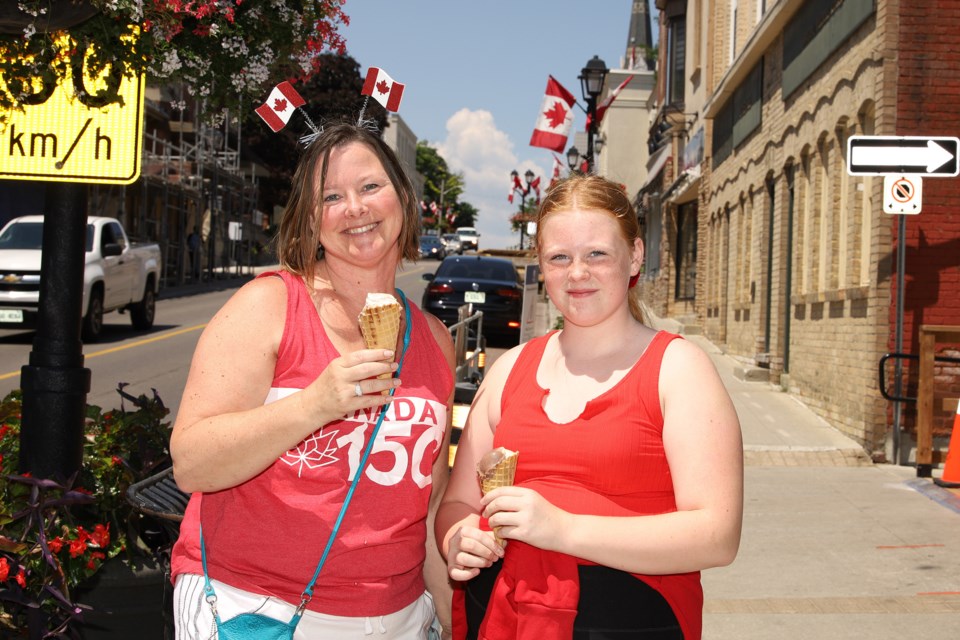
(138, 343)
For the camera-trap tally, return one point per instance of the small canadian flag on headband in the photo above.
(382, 88)
(278, 108)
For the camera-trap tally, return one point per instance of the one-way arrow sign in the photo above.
(922, 156)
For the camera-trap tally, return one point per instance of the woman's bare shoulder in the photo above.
(258, 304)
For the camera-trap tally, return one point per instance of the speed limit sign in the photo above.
(78, 130)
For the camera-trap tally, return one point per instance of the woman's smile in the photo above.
(364, 229)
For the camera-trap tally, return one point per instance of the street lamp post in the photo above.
(573, 159)
(524, 192)
(591, 84)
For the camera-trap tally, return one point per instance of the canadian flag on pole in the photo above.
(557, 164)
(382, 88)
(555, 119)
(278, 108)
(514, 186)
(603, 106)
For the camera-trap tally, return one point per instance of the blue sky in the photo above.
(475, 73)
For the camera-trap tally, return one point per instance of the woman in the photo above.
(279, 404)
(630, 472)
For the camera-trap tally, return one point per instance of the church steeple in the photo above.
(639, 39)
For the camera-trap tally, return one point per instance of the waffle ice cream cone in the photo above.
(497, 468)
(380, 323)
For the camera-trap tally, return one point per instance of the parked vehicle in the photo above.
(491, 285)
(117, 276)
(469, 238)
(432, 247)
(452, 243)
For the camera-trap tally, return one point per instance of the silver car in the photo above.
(452, 242)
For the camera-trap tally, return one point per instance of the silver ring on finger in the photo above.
(357, 391)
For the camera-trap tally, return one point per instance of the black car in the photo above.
(432, 247)
(491, 285)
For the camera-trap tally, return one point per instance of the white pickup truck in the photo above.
(117, 275)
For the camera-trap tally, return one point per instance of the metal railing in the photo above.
(469, 362)
(903, 356)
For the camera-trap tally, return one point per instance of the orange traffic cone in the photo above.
(951, 468)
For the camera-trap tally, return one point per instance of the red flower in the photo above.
(95, 559)
(77, 548)
(55, 545)
(22, 578)
(116, 460)
(4, 569)
(101, 536)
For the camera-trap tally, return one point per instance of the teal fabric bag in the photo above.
(249, 626)
(255, 626)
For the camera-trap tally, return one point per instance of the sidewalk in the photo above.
(833, 545)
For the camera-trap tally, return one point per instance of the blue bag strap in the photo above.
(307, 594)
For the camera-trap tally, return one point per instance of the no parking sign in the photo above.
(902, 193)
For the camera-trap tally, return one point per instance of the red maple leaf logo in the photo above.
(279, 104)
(556, 115)
(383, 87)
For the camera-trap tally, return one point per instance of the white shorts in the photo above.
(194, 620)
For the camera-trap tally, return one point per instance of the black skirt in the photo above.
(613, 605)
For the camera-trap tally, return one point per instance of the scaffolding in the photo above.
(191, 184)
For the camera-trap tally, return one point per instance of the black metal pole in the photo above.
(591, 131)
(523, 212)
(898, 341)
(55, 383)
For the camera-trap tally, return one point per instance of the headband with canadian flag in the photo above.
(384, 89)
(279, 107)
(284, 99)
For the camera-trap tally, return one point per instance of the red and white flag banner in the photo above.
(535, 185)
(603, 106)
(555, 119)
(278, 108)
(557, 165)
(382, 88)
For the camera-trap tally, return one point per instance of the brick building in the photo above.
(767, 243)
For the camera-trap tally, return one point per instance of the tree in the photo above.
(466, 215)
(441, 187)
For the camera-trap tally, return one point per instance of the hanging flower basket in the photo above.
(226, 52)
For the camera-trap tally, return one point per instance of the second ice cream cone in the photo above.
(497, 469)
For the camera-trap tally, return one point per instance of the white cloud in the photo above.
(485, 156)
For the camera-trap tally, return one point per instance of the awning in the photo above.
(655, 166)
(684, 188)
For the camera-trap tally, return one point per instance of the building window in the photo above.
(676, 59)
(686, 252)
(733, 29)
(740, 116)
(817, 29)
(654, 233)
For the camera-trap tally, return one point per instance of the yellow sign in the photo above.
(70, 137)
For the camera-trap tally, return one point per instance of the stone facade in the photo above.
(795, 259)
